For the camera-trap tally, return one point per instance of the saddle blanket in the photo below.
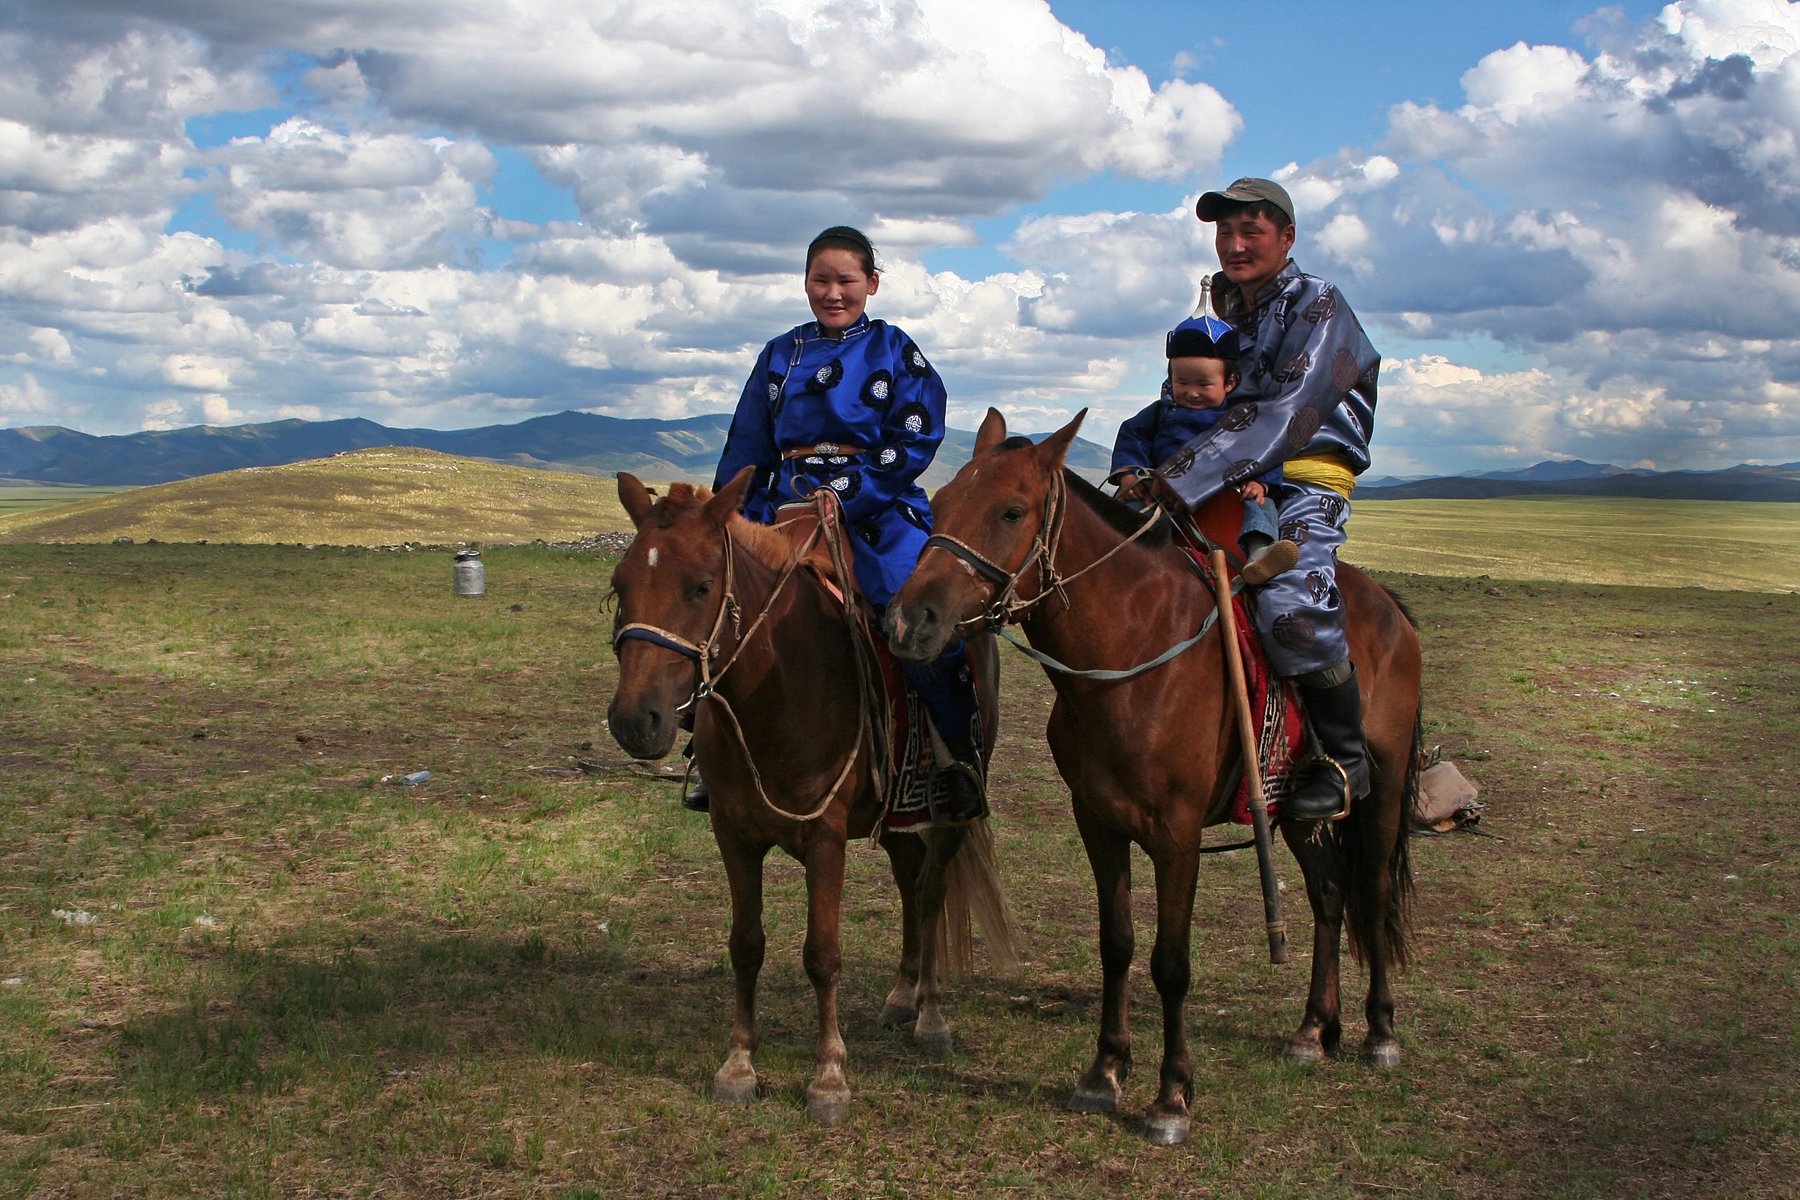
(912, 759)
(1280, 728)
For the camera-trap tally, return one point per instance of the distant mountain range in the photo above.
(689, 449)
(1573, 477)
(566, 441)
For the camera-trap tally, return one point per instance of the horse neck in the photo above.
(1150, 583)
(796, 666)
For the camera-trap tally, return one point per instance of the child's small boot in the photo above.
(1264, 560)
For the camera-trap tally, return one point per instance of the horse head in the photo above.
(991, 527)
(672, 588)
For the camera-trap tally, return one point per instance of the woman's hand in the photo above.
(1254, 492)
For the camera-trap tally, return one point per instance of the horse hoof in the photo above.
(733, 1090)
(1166, 1129)
(1304, 1053)
(827, 1108)
(935, 1045)
(896, 1015)
(1094, 1100)
(1385, 1055)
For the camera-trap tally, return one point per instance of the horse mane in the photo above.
(1121, 517)
(762, 542)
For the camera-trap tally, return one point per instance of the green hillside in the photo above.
(370, 497)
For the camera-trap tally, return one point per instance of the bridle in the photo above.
(704, 653)
(1008, 607)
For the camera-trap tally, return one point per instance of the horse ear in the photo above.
(992, 431)
(730, 498)
(635, 497)
(1055, 448)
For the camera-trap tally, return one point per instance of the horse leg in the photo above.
(828, 1095)
(1322, 863)
(932, 1033)
(1109, 855)
(1380, 1047)
(735, 1082)
(906, 858)
(1167, 1120)
(1383, 826)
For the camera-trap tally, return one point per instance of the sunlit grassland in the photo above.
(23, 497)
(1659, 543)
(297, 979)
(362, 498)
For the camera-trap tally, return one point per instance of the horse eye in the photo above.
(1013, 515)
(703, 589)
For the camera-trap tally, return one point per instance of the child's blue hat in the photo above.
(1203, 337)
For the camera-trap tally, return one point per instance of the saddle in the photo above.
(897, 718)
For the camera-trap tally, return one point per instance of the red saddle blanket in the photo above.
(1275, 707)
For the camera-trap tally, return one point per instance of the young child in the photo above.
(1203, 357)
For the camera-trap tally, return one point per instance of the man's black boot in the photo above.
(1341, 773)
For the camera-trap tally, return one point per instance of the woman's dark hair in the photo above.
(843, 237)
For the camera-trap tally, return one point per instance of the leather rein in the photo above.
(703, 654)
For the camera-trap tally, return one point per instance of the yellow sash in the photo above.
(1325, 470)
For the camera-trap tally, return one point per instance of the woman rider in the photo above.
(851, 404)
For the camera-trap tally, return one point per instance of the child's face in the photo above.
(1200, 382)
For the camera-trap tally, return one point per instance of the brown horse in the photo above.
(1150, 759)
(717, 612)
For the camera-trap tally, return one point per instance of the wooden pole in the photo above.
(1259, 805)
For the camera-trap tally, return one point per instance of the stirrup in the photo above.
(1324, 761)
(695, 798)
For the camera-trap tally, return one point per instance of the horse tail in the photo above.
(1379, 898)
(1394, 918)
(973, 896)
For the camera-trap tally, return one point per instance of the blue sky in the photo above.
(1572, 231)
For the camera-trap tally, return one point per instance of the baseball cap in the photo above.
(1248, 190)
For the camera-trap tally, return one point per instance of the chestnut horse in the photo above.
(715, 612)
(1150, 759)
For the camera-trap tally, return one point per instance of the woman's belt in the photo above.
(823, 450)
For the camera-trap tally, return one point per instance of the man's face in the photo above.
(1252, 250)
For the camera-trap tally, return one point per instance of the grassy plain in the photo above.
(26, 497)
(1592, 539)
(234, 961)
(390, 496)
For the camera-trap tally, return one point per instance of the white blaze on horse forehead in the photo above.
(652, 556)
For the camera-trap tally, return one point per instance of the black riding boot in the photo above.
(1341, 773)
(694, 798)
(956, 792)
